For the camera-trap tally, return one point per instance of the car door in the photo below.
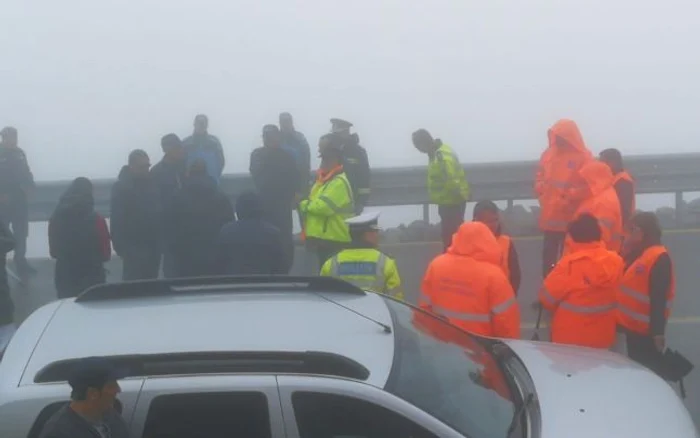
(212, 406)
(335, 408)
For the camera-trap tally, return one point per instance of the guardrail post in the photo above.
(679, 208)
(426, 213)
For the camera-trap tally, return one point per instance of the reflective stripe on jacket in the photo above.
(330, 202)
(467, 286)
(558, 186)
(447, 184)
(633, 297)
(366, 268)
(581, 292)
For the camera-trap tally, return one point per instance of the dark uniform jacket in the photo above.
(356, 166)
(66, 423)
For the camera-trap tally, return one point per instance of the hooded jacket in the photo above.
(558, 185)
(468, 287)
(581, 293)
(602, 203)
(250, 245)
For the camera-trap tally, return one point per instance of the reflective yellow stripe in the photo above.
(503, 306)
(587, 309)
(640, 296)
(632, 314)
(462, 316)
(548, 297)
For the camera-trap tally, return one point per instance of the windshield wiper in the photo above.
(521, 409)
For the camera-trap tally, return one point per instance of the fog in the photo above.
(86, 81)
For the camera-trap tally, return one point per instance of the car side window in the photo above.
(320, 415)
(211, 415)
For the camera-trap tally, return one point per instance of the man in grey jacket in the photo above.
(91, 412)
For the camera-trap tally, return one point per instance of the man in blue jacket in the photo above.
(203, 146)
(296, 144)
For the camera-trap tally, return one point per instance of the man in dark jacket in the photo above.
(276, 179)
(355, 162)
(203, 146)
(624, 184)
(250, 246)
(16, 180)
(91, 412)
(168, 175)
(7, 307)
(296, 144)
(78, 240)
(196, 216)
(136, 219)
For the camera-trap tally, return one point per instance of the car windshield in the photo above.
(448, 374)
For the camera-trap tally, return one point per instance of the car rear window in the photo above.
(447, 373)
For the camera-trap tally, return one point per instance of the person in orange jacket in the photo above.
(487, 212)
(624, 186)
(467, 286)
(558, 187)
(602, 203)
(580, 292)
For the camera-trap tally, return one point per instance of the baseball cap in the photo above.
(94, 372)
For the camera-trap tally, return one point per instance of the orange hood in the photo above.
(475, 240)
(597, 176)
(604, 268)
(568, 130)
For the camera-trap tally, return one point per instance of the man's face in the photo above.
(141, 166)
(636, 235)
(561, 142)
(372, 237)
(201, 125)
(286, 123)
(272, 139)
(422, 143)
(490, 219)
(104, 399)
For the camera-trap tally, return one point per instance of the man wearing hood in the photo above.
(580, 291)
(136, 219)
(602, 203)
(78, 240)
(559, 187)
(250, 245)
(467, 286)
(355, 162)
(198, 212)
(276, 178)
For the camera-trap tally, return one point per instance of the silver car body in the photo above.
(581, 392)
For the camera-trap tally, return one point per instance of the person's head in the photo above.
(423, 141)
(585, 229)
(340, 127)
(201, 124)
(272, 137)
(613, 158)
(197, 169)
(364, 229)
(9, 137)
(94, 385)
(139, 163)
(488, 213)
(248, 206)
(81, 186)
(172, 147)
(330, 149)
(286, 122)
(645, 230)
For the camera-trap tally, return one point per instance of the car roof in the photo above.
(218, 321)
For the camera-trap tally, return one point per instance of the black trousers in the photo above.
(552, 248)
(641, 349)
(141, 263)
(451, 217)
(16, 217)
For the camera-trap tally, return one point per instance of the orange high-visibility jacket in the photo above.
(602, 203)
(633, 298)
(581, 294)
(627, 177)
(468, 287)
(558, 185)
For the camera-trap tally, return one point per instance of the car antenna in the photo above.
(385, 327)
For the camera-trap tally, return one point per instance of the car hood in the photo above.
(585, 392)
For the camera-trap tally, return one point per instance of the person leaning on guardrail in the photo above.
(447, 185)
(559, 187)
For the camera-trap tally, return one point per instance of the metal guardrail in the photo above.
(506, 181)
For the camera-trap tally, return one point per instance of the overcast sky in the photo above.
(86, 81)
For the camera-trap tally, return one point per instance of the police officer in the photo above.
(16, 180)
(355, 162)
(363, 264)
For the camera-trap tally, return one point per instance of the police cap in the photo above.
(368, 221)
(340, 125)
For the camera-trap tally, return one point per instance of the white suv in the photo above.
(311, 357)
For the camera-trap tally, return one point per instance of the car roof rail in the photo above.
(220, 284)
(217, 362)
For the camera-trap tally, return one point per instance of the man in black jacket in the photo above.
(195, 217)
(16, 180)
(250, 245)
(276, 178)
(168, 175)
(355, 162)
(91, 412)
(136, 219)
